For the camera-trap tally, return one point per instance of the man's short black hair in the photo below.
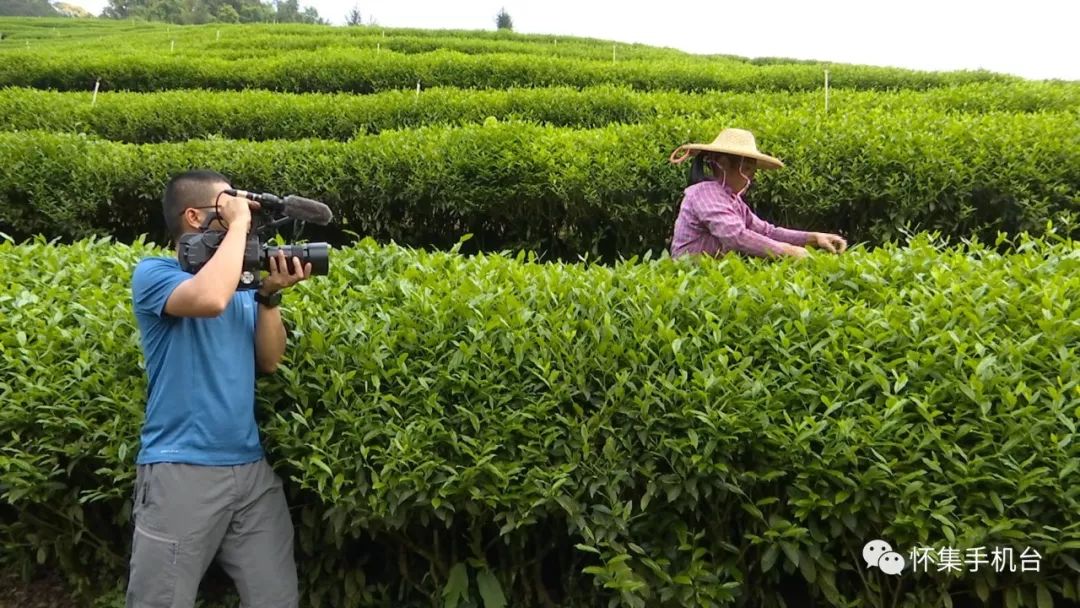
(194, 188)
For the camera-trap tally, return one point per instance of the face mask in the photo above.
(718, 171)
(723, 177)
(744, 176)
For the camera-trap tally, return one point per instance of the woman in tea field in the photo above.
(713, 218)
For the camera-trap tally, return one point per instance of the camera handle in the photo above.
(270, 228)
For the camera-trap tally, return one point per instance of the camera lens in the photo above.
(316, 253)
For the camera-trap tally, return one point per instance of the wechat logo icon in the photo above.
(879, 554)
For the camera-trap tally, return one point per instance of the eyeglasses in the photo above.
(200, 207)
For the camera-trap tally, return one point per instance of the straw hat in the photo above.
(739, 142)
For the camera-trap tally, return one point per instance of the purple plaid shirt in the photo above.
(714, 220)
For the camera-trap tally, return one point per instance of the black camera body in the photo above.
(197, 248)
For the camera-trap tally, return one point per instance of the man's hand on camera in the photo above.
(283, 274)
(237, 211)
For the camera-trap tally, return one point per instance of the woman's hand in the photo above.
(830, 242)
(796, 251)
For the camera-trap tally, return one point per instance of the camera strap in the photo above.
(210, 217)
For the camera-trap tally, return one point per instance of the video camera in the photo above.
(197, 248)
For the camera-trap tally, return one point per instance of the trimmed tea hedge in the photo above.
(566, 193)
(262, 40)
(366, 71)
(251, 41)
(61, 33)
(662, 433)
(262, 115)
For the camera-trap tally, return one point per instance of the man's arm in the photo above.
(208, 293)
(269, 329)
(269, 339)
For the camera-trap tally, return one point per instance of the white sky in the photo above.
(1029, 38)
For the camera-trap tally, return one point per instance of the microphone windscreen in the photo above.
(305, 209)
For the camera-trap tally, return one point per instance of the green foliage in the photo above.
(211, 11)
(267, 40)
(367, 70)
(654, 433)
(264, 115)
(353, 17)
(27, 8)
(486, 431)
(270, 40)
(503, 21)
(566, 193)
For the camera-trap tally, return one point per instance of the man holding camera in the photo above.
(203, 488)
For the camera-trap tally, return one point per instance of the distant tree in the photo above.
(288, 11)
(256, 12)
(27, 8)
(227, 14)
(173, 11)
(117, 9)
(353, 17)
(503, 21)
(209, 11)
(200, 13)
(310, 15)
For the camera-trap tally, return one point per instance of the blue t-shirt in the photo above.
(201, 370)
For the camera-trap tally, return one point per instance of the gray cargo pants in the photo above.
(187, 515)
